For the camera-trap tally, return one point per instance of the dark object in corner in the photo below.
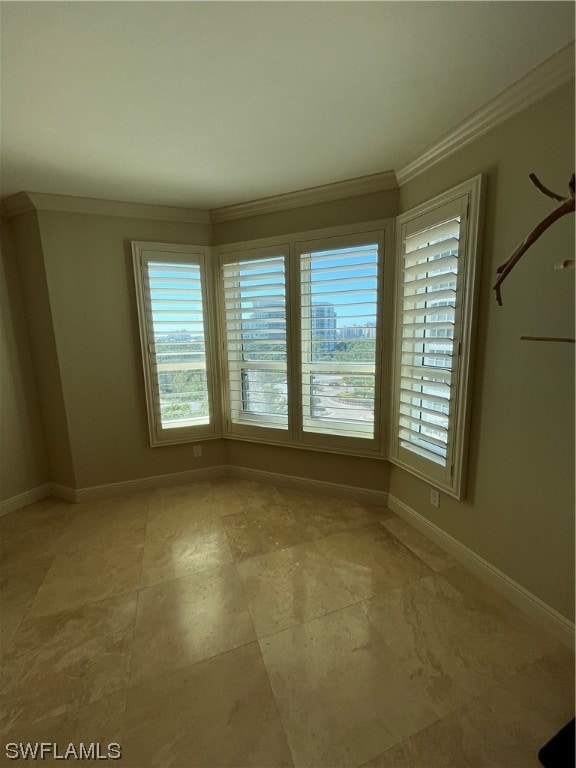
(559, 752)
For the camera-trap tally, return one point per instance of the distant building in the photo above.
(367, 331)
(268, 323)
(324, 326)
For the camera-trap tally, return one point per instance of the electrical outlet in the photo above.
(434, 497)
(197, 451)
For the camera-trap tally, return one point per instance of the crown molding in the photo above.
(543, 79)
(15, 205)
(23, 202)
(363, 185)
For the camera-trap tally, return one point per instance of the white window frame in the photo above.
(240, 423)
(294, 437)
(142, 254)
(450, 477)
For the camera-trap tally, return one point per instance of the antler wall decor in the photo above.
(566, 206)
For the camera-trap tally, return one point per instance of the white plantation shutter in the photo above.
(171, 294)
(434, 304)
(428, 305)
(255, 323)
(340, 330)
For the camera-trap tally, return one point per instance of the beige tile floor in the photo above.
(228, 623)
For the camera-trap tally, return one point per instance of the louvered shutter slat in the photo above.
(428, 307)
(178, 355)
(338, 325)
(254, 293)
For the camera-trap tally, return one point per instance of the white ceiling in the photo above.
(206, 104)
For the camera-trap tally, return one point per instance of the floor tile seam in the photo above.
(14, 636)
(140, 577)
(131, 659)
(417, 683)
(131, 685)
(89, 543)
(312, 618)
(439, 574)
(502, 679)
(405, 584)
(496, 612)
(278, 710)
(285, 731)
(21, 722)
(444, 568)
(494, 686)
(185, 576)
(87, 604)
(17, 569)
(436, 716)
(492, 680)
(354, 600)
(137, 589)
(247, 602)
(26, 615)
(335, 574)
(312, 540)
(360, 527)
(386, 591)
(276, 705)
(408, 549)
(402, 741)
(14, 550)
(271, 551)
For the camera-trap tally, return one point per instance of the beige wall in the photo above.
(519, 513)
(23, 461)
(378, 205)
(315, 465)
(43, 342)
(90, 281)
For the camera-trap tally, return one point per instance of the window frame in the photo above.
(450, 478)
(293, 436)
(144, 252)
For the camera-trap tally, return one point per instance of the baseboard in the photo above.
(64, 492)
(95, 492)
(23, 499)
(307, 484)
(546, 616)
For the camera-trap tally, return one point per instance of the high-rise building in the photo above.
(324, 326)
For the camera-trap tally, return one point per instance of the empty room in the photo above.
(287, 384)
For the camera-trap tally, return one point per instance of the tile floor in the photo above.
(227, 623)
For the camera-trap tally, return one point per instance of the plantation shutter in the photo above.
(171, 295)
(339, 289)
(178, 352)
(437, 245)
(428, 307)
(254, 299)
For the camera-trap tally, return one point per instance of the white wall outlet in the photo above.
(197, 451)
(434, 497)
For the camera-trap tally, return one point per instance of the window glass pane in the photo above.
(178, 330)
(264, 392)
(255, 315)
(339, 313)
